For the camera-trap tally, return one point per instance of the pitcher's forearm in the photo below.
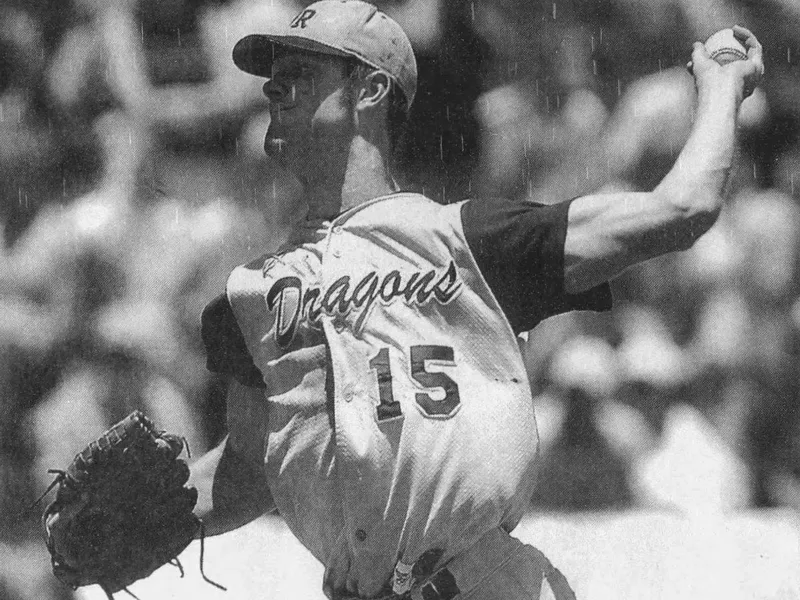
(698, 179)
(231, 491)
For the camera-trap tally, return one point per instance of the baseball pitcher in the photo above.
(380, 402)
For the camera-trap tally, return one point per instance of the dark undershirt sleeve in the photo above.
(519, 248)
(226, 351)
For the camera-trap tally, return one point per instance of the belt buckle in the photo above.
(403, 578)
(423, 579)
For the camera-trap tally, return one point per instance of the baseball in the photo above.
(725, 48)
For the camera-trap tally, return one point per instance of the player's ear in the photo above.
(375, 88)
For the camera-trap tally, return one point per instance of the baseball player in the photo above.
(379, 399)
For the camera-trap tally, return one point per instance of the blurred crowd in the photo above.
(133, 180)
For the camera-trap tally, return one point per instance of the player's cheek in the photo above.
(332, 118)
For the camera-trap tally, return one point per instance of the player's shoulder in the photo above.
(224, 342)
(401, 211)
(218, 319)
(249, 272)
(497, 218)
(394, 202)
(474, 211)
(222, 328)
(512, 207)
(483, 219)
(249, 280)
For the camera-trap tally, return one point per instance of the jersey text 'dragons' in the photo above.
(293, 303)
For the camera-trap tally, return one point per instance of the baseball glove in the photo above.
(122, 508)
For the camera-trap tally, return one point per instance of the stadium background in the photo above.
(133, 180)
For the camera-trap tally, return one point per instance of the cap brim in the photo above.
(255, 53)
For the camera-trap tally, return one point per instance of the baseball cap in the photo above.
(340, 28)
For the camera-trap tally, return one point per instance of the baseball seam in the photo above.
(722, 51)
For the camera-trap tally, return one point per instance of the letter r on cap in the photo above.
(301, 19)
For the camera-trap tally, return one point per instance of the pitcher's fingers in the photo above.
(749, 39)
(699, 54)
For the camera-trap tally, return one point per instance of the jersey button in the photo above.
(337, 229)
(361, 535)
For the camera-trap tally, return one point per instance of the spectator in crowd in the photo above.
(680, 459)
(582, 468)
(746, 329)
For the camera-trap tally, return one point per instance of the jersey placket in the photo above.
(362, 454)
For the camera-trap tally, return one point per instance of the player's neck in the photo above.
(365, 176)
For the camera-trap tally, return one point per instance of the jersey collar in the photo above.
(344, 216)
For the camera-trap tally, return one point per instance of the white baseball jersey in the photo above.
(400, 415)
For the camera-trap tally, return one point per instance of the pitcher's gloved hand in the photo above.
(122, 508)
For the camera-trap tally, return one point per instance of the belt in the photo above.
(427, 583)
(442, 585)
(423, 581)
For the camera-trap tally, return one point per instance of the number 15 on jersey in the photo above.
(420, 358)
